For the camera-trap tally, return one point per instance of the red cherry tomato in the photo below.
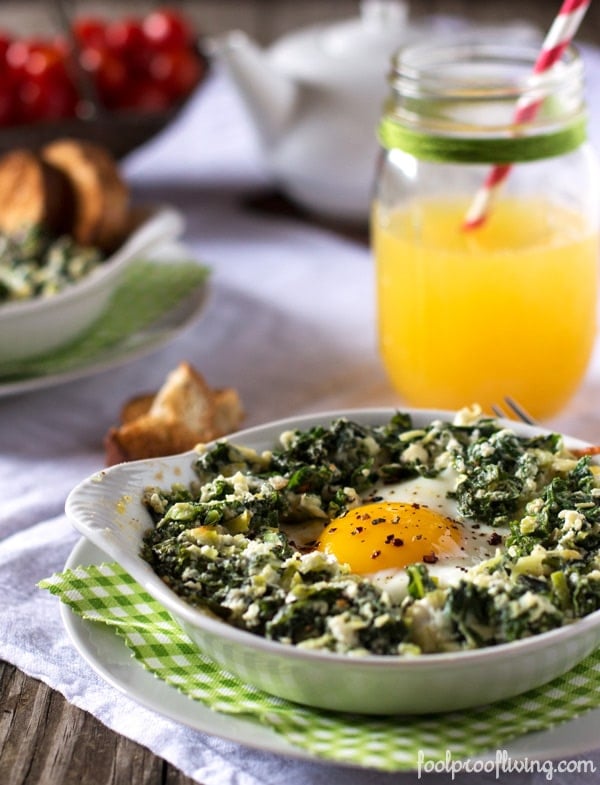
(145, 97)
(34, 58)
(42, 85)
(44, 60)
(8, 113)
(51, 100)
(90, 31)
(167, 28)
(18, 52)
(124, 36)
(5, 40)
(63, 46)
(126, 39)
(107, 71)
(143, 64)
(177, 70)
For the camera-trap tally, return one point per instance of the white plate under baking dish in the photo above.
(108, 655)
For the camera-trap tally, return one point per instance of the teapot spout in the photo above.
(268, 94)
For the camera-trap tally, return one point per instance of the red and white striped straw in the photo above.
(559, 36)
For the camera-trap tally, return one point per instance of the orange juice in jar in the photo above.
(509, 307)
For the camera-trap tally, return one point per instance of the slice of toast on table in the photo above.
(183, 413)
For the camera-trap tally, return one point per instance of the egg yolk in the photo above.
(387, 535)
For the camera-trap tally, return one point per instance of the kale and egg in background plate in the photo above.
(33, 326)
(371, 561)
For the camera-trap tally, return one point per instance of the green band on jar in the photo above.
(480, 150)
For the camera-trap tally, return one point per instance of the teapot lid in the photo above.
(367, 40)
(379, 23)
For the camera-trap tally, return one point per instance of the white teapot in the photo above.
(315, 98)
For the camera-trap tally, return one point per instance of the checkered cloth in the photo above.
(107, 594)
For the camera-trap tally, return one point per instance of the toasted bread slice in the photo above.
(33, 192)
(101, 212)
(184, 412)
(136, 407)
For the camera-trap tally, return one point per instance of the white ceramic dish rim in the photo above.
(163, 225)
(142, 571)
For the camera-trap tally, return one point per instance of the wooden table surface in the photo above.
(43, 739)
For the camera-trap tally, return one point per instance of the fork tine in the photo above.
(520, 412)
(515, 410)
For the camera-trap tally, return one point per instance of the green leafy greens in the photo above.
(226, 542)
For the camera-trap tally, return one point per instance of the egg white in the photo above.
(477, 543)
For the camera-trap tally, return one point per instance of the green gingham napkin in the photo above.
(153, 287)
(107, 594)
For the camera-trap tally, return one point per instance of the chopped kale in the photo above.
(500, 474)
(586, 594)
(509, 612)
(338, 618)
(419, 581)
(322, 460)
(35, 263)
(227, 459)
(546, 523)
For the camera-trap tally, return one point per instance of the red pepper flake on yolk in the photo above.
(391, 539)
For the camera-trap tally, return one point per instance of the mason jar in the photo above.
(484, 291)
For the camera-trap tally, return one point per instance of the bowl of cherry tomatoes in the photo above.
(117, 82)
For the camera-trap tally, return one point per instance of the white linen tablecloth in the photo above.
(289, 323)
